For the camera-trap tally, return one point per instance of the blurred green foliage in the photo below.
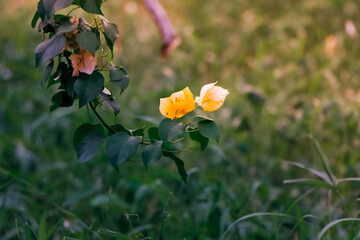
(270, 55)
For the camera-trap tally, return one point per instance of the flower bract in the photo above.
(84, 62)
(211, 97)
(178, 104)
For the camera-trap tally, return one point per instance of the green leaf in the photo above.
(170, 129)
(152, 152)
(84, 26)
(153, 133)
(200, 115)
(46, 9)
(60, 99)
(111, 32)
(83, 130)
(89, 40)
(91, 6)
(110, 101)
(137, 132)
(66, 26)
(87, 87)
(89, 146)
(120, 147)
(195, 135)
(119, 77)
(35, 19)
(49, 48)
(209, 129)
(120, 128)
(179, 164)
(47, 71)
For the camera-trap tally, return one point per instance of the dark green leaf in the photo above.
(111, 32)
(89, 40)
(154, 133)
(120, 128)
(35, 19)
(209, 129)
(179, 164)
(60, 99)
(91, 6)
(53, 79)
(137, 132)
(120, 147)
(152, 153)
(66, 26)
(47, 8)
(170, 129)
(119, 77)
(109, 100)
(84, 130)
(47, 71)
(110, 29)
(196, 136)
(49, 48)
(89, 146)
(69, 86)
(87, 87)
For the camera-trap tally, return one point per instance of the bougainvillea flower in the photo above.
(71, 36)
(84, 62)
(178, 104)
(211, 97)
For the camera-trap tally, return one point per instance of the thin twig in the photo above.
(100, 118)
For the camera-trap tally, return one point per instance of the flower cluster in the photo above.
(180, 103)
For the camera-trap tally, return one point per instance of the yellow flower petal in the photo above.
(211, 97)
(166, 108)
(178, 104)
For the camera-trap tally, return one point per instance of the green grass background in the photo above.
(268, 53)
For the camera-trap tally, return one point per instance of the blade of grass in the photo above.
(324, 160)
(317, 173)
(53, 228)
(354, 179)
(310, 182)
(109, 233)
(333, 223)
(259, 214)
(42, 227)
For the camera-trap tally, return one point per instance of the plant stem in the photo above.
(100, 118)
(164, 215)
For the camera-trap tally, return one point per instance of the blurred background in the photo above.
(291, 68)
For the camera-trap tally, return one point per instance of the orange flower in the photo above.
(211, 97)
(178, 104)
(84, 62)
